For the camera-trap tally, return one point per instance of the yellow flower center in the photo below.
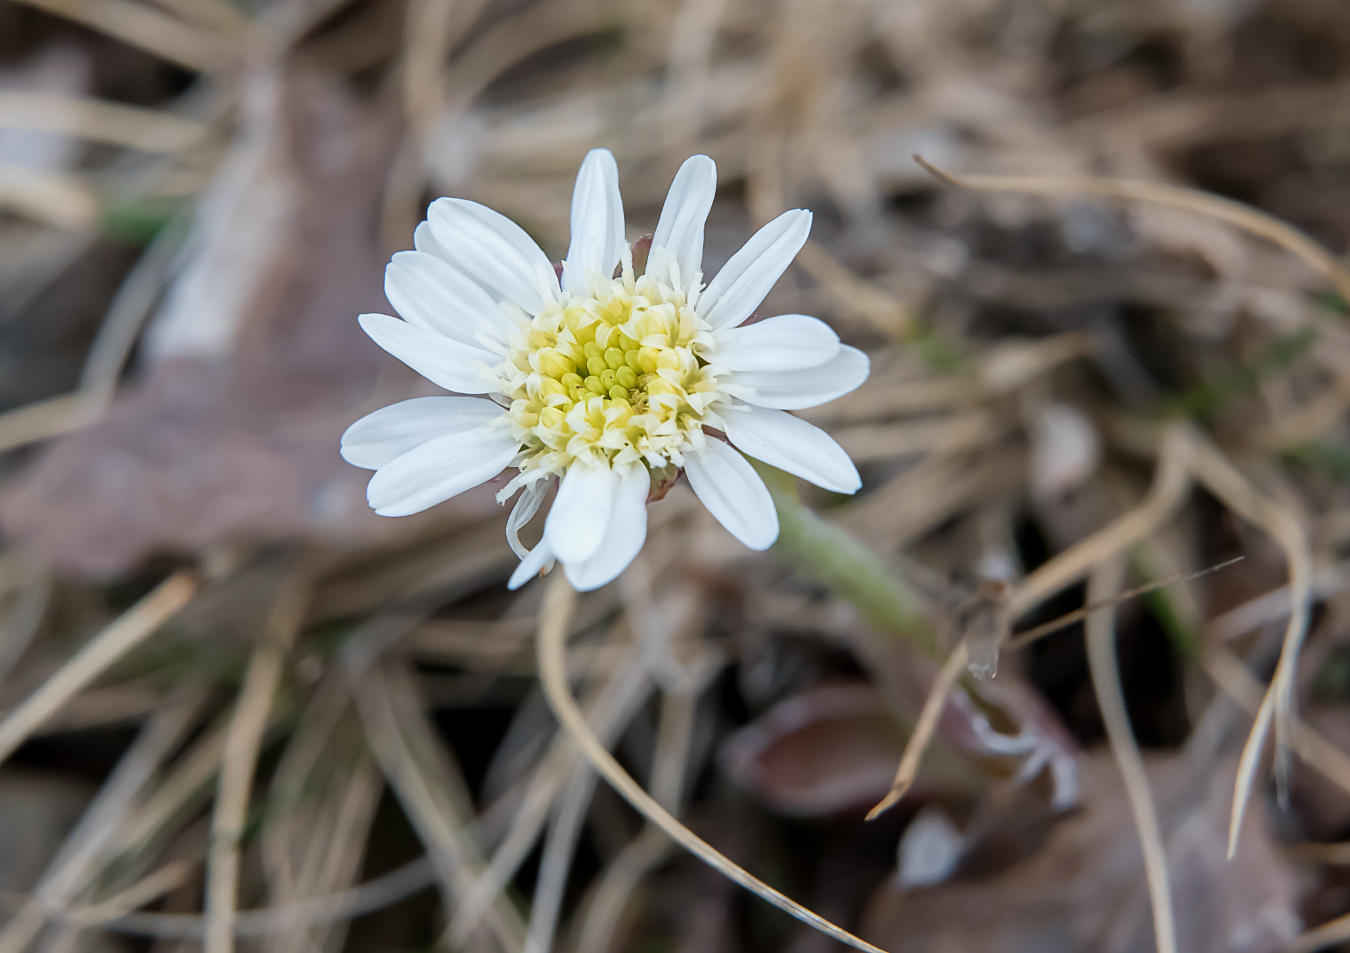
(611, 377)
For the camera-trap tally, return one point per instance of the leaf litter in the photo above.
(1155, 377)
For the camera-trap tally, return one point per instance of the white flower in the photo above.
(604, 382)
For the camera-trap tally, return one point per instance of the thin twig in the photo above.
(558, 603)
(1101, 650)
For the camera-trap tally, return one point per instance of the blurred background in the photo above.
(226, 686)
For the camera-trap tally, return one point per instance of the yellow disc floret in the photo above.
(611, 377)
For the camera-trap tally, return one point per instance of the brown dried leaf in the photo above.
(1084, 888)
(255, 365)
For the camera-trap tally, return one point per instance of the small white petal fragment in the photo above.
(577, 522)
(449, 364)
(623, 539)
(930, 850)
(788, 342)
(494, 251)
(1065, 451)
(432, 294)
(795, 390)
(440, 469)
(597, 222)
(527, 504)
(790, 443)
(743, 282)
(679, 231)
(379, 438)
(733, 492)
(535, 562)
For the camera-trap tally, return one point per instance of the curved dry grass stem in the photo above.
(1242, 216)
(1170, 482)
(923, 731)
(1283, 525)
(558, 604)
(103, 650)
(1239, 684)
(1101, 650)
(165, 36)
(602, 917)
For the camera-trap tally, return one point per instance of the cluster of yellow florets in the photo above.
(612, 376)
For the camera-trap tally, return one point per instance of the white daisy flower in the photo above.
(610, 385)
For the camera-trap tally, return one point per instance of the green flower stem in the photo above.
(835, 558)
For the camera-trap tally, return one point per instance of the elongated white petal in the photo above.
(679, 231)
(733, 492)
(521, 514)
(430, 293)
(794, 390)
(580, 515)
(790, 443)
(440, 469)
(788, 342)
(450, 364)
(623, 539)
(743, 282)
(535, 562)
(597, 222)
(494, 251)
(377, 439)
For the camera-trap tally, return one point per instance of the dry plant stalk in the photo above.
(558, 603)
(240, 758)
(133, 627)
(923, 730)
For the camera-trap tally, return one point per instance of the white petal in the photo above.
(448, 363)
(432, 294)
(623, 539)
(440, 469)
(788, 342)
(521, 514)
(793, 390)
(679, 230)
(733, 492)
(580, 515)
(494, 251)
(597, 222)
(743, 282)
(535, 562)
(790, 443)
(376, 439)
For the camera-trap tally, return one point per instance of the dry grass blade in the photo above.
(606, 906)
(97, 120)
(559, 849)
(166, 37)
(60, 198)
(169, 877)
(923, 731)
(1239, 684)
(133, 627)
(558, 603)
(434, 799)
(48, 418)
(1101, 650)
(242, 743)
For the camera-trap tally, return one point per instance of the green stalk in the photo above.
(838, 560)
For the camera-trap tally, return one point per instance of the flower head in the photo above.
(602, 379)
